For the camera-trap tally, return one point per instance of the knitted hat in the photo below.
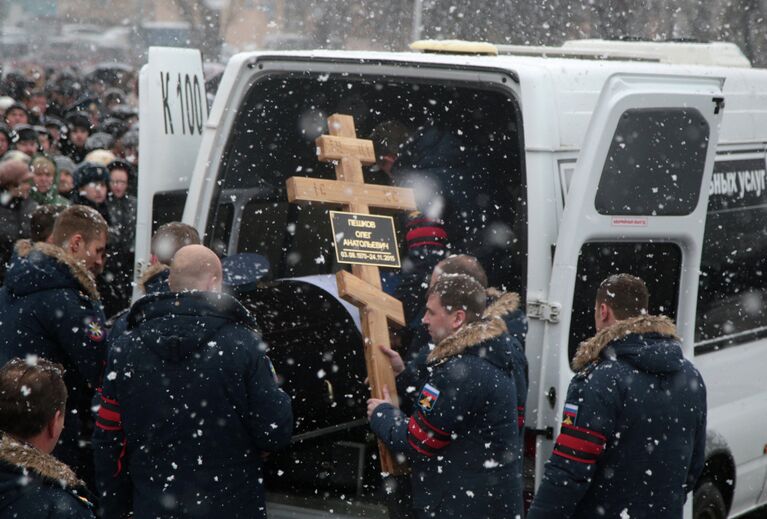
(64, 163)
(99, 141)
(88, 172)
(422, 231)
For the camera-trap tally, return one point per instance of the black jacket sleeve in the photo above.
(81, 332)
(270, 414)
(699, 449)
(109, 449)
(588, 421)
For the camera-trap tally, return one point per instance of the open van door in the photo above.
(173, 111)
(637, 203)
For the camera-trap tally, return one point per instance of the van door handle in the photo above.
(546, 432)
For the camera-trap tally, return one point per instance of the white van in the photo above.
(560, 166)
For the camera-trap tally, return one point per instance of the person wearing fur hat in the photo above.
(462, 438)
(15, 207)
(46, 179)
(50, 308)
(634, 423)
(25, 139)
(33, 483)
(90, 187)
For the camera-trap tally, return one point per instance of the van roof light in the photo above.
(455, 47)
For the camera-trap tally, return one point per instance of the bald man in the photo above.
(190, 402)
(195, 267)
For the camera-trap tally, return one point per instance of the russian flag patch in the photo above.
(570, 414)
(429, 396)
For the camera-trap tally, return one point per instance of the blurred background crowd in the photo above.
(68, 137)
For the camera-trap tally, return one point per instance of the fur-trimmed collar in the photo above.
(466, 337)
(151, 272)
(589, 350)
(19, 454)
(79, 272)
(502, 303)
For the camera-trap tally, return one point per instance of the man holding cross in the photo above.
(462, 438)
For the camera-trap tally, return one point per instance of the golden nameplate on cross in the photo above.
(362, 288)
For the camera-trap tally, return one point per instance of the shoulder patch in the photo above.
(570, 414)
(83, 500)
(429, 396)
(94, 329)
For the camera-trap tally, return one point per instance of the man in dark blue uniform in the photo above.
(34, 484)
(462, 438)
(168, 239)
(190, 403)
(49, 307)
(634, 424)
(504, 305)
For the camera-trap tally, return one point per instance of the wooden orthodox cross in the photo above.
(363, 287)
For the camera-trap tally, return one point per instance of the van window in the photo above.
(655, 163)
(733, 281)
(658, 264)
(167, 206)
(458, 146)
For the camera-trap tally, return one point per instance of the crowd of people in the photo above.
(70, 139)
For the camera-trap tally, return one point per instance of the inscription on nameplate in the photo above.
(364, 239)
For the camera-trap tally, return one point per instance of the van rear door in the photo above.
(173, 111)
(637, 204)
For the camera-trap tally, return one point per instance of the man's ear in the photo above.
(459, 318)
(604, 312)
(75, 243)
(214, 284)
(54, 425)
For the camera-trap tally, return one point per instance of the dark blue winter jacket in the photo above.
(189, 404)
(501, 305)
(633, 430)
(50, 307)
(35, 485)
(153, 281)
(462, 438)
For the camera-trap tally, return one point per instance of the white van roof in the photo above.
(720, 54)
(566, 87)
